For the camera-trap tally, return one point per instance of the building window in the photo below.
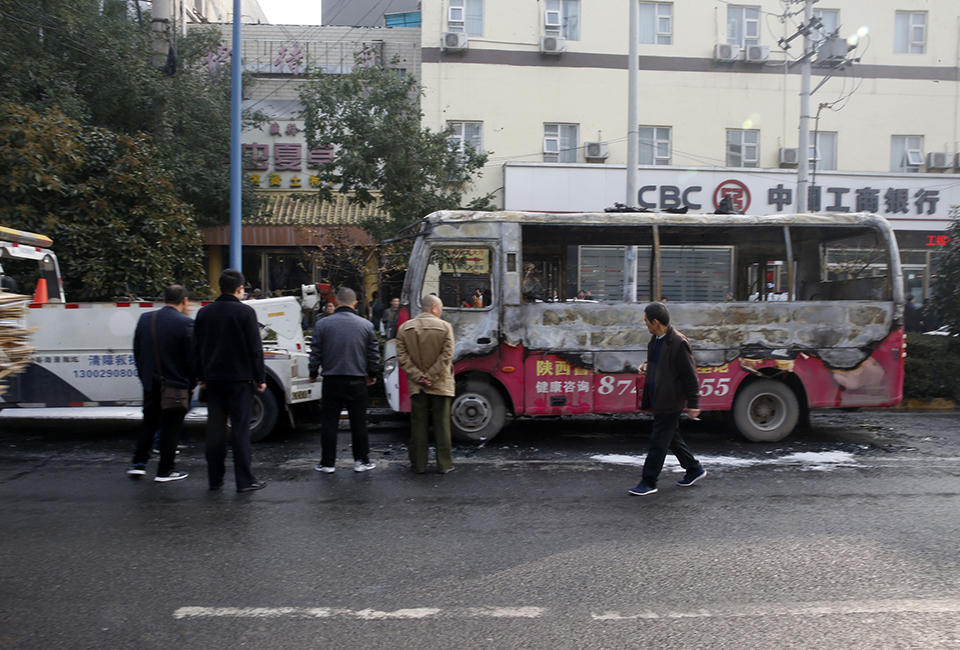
(910, 32)
(823, 150)
(562, 18)
(654, 145)
(656, 23)
(743, 25)
(743, 148)
(560, 142)
(906, 153)
(466, 16)
(830, 23)
(466, 133)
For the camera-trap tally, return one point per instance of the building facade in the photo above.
(544, 85)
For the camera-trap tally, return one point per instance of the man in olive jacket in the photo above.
(671, 383)
(425, 352)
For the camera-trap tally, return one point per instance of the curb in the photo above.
(914, 404)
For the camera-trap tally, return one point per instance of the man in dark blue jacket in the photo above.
(670, 385)
(165, 335)
(345, 347)
(229, 354)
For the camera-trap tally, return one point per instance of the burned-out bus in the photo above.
(785, 313)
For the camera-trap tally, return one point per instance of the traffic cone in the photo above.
(40, 295)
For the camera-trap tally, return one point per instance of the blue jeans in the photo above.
(666, 435)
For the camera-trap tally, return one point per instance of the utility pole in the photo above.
(633, 146)
(236, 241)
(803, 153)
(633, 106)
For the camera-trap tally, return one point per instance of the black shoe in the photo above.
(216, 486)
(691, 477)
(253, 487)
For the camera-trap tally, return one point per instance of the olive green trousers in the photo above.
(423, 408)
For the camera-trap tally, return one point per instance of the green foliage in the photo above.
(372, 117)
(932, 367)
(93, 61)
(946, 284)
(118, 228)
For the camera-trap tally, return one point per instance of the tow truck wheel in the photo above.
(264, 416)
(766, 411)
(477, 413)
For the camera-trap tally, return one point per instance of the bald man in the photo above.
(425, 352)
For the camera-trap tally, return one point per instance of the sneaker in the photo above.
(361, 466)
(137, 470)
(642, 490)
(446, 471)
(172, 476)
(259, 485)
(692, 476)
(326, 469)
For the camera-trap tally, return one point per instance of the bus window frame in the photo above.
(488, 245)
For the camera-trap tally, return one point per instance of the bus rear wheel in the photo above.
(478, 412)
(766, 411)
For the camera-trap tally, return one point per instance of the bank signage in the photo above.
(908, 201)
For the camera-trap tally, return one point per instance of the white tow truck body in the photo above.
(83, 354)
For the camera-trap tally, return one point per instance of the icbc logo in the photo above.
(738, 193)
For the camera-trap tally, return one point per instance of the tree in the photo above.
(92, 60)
(119, 229)
(946, 286)
(372, 119)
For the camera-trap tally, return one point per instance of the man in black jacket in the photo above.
(671, 383)
(164, 336)
(345, 347)
(229, 354)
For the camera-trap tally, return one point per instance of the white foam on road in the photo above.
(361, 614)
(809, 460)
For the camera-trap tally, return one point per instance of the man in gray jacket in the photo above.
(345, 347)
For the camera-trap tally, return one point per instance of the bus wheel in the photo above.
(766, 411)
(478, 412)
(264, 416)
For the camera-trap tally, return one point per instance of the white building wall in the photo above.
(503, 81)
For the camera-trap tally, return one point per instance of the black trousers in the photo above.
(341, 392)
(233, 399)
(168, 422)
(666, 435)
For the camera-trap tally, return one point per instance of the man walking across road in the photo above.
(229, 354)
(345, 347)
(163, 352)
(671, 383)
(425, 352)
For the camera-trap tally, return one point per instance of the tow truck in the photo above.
(83, 351)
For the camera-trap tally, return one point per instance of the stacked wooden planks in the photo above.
(14, 337)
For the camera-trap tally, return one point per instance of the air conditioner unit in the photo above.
(758, 53)
(455, 41)
(726, 52)
(789, 156)
(956, 162)
(938, 160)
(552, 44)
(595, 150)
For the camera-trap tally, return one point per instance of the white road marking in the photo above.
(810, 460)
(746, 610)
(362, 614)
(836, 608)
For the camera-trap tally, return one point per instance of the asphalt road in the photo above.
(844, 535)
